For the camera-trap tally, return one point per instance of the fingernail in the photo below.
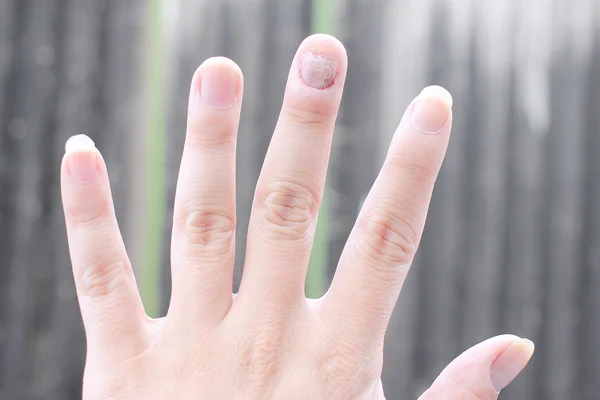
(318, 71)
(432, 110)
(81, 159)
(219, 85)
(510, 363)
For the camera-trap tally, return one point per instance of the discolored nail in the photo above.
(318, 71)
(432, 110)
(81, 159)
(510, 363)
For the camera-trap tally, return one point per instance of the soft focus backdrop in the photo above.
(512, 243)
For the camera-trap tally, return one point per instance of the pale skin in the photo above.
(268, 341)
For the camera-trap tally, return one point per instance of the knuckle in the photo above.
(102, 277)
(262, 361)
(344, 369)
(261, 356)
(413, 166)
(309, 114)
(210, 133)
(289, 210)
(387, 239)
(209, 227)
(447, 384)
(87, 213)
(339, 365)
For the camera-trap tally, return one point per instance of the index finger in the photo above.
(384, 241)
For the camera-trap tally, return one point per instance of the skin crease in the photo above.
(268, 341)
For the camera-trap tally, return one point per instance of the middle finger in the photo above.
(290, 187)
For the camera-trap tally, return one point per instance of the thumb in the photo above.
(481, 372)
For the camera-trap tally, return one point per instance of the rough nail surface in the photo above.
(510, 363)
(432, 110)
(81, 159)
(219, 84)
(318, 71)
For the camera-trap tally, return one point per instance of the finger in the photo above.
(204, 216)
(483, 371)
(382, 245)
(110, 305)
(290, 186)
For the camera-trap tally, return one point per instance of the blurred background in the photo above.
(512, 243)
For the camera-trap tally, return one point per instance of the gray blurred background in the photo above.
(512, 243)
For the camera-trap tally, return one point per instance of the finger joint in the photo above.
(103, 277)
(289, 211)
(387, 239)
(212, 227)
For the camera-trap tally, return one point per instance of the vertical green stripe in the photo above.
(323, 21)
(155, 166)
(323, 16)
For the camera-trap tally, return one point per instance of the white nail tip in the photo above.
(439, 92)
(79, 143)
(529, 345)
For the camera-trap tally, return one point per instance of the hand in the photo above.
(268, 341)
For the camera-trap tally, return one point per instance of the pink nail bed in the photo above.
(431, 110)
(218, 87)
(82, 167)
(81, 159)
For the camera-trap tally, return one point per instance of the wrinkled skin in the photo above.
(267, 341)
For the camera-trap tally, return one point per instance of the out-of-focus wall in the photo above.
(512, 243)
(66, 67)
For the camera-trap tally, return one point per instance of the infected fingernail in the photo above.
(510, 363)
(81, 159)
(318, 71)
(432, 110)
(219, 85)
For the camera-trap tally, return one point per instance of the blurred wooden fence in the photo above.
(512, 243)
(66, 66)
